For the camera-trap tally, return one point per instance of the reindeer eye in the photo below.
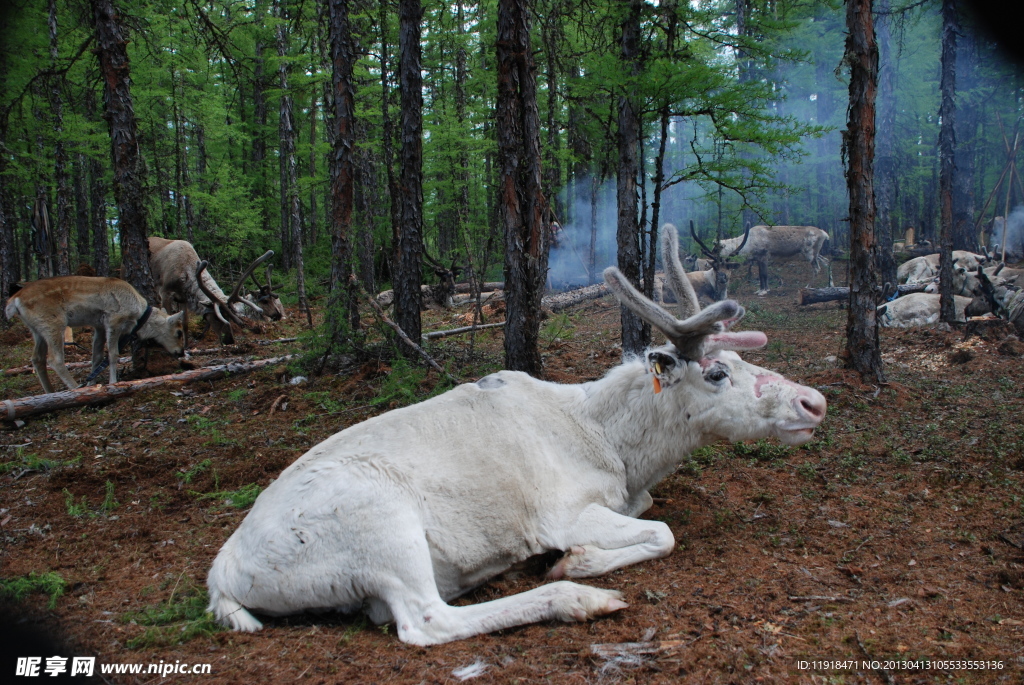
(716, 374)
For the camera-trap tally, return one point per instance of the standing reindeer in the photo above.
(404, 512)
(175, 266)
(112, 307)
(762, 243)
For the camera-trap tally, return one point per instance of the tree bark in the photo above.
(947, 148)
(61, 176)
(862, 348)
(343, 315)
(112, 41)
(636, 335)
(409, 245)
(523, 211)
(291, 213)
(964, 236)
(885, 162)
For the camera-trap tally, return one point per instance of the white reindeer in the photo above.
(761, 243)
(412, 508)
(112, 307)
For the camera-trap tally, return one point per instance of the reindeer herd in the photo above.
(116, 311)
(401, 514)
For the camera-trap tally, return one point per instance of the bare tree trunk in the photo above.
(98, 219)
(636, 335)
(112, 41)
(964, 236)
(523, 211)
(291, 217)
(947, 148)
(862, 348)
(885, 166)
(7, 257)
(311, 233)
(81, 210)
(343, 312)
(61, 176)
(409, 244)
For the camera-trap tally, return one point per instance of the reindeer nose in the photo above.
(812, 403)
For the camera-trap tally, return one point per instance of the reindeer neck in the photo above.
(649, 432)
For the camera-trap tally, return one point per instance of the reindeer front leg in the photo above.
(112, 353)
(602, 540)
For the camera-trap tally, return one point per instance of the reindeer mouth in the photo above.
(795, 434)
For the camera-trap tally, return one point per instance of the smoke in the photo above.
(1010, 232)
(569, 264)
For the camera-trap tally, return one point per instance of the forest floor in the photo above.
(895, 536)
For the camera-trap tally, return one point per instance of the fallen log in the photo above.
(484, 287)
(12, 410)
(433, 335)
(560, 301)
(236, 348)
(815, 295)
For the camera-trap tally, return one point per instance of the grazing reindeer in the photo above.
(762, 243)
(112, 307)
(175, 270)
(404, 512)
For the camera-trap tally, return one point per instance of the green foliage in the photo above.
(109, 503)
(27, 461)
(181, 618)
(763, 451)
(50, 583)
(241, 498)
(197, 470)
(78, 509)
(404, 385)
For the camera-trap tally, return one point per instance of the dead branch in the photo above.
(11, 410)
(401, 334)
(820, 598)
(433, 335)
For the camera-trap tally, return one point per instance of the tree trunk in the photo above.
(522, 208)
(964, 236)
(885, 166)
(61, 176)
(409, 245)
(343, 315)
(98, 219)
(291, 212)
(311, 233)
(636, 335)
(862, 349)
(81, 210)
(947, 148)
(112, 41)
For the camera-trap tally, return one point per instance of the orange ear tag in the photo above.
(657, 385)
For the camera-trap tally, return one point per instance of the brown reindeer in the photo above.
(112, 307)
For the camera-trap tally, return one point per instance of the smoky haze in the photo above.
(1011, 233)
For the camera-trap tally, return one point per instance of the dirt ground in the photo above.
(895, 537)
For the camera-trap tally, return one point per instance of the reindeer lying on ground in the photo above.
(175, 268)
(112, 307)
(410, 509)
(917, 309)
(710, 283)
(762, 243)
(926, 267)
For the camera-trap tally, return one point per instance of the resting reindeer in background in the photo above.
(112, 307)
(762, 243)
(404, 512)
(175, 270)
